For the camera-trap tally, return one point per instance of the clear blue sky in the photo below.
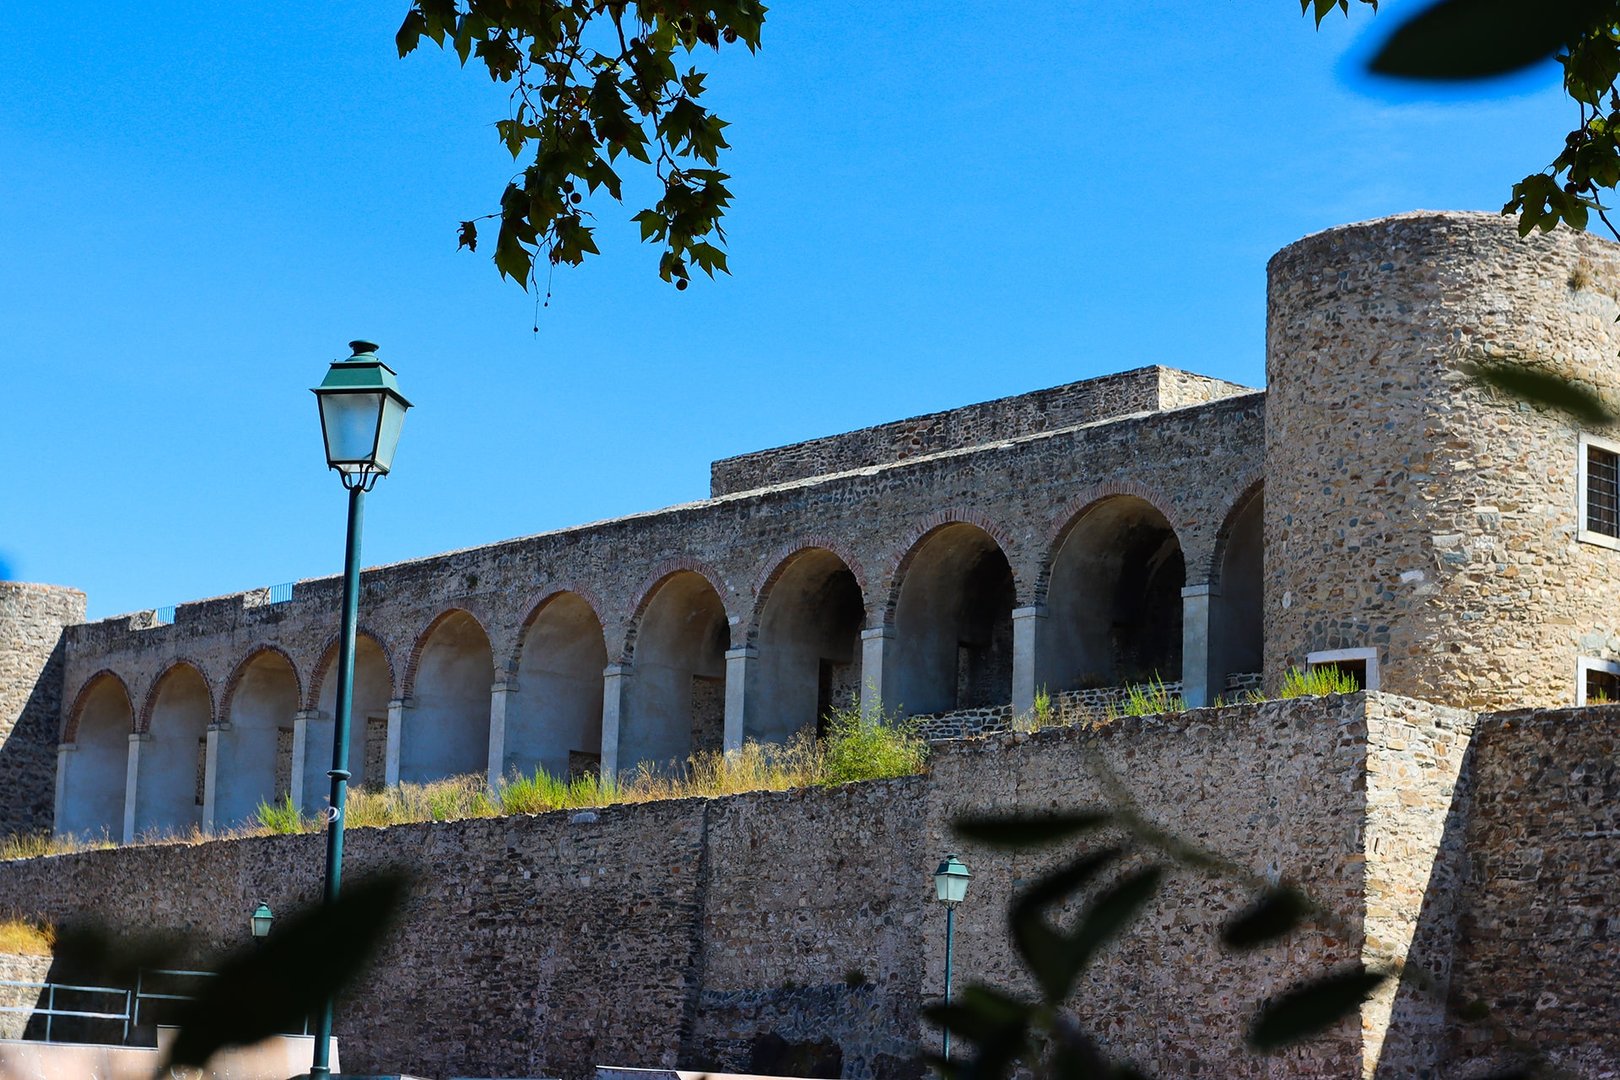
(200, 203)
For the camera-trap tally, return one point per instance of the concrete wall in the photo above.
(32, 668)
(774, 930)
(1140, 390)
(1408, 509)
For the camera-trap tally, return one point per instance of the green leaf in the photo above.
(1546, 390)
(410, 33)
(272, 988)
(1277, 912)
(467, 236)
(1312, 1008)
(1027, 830)
(1477, 39)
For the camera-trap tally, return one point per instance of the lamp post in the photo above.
(260, 921)
(950, 886)
(362, 411)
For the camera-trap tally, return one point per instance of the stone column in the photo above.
(300, 754)
(1195, 651)
(614, 684)
(498, 696)
(396, 731)
(1026, 665)
(739, 668)
(211, 774)
(64, 755)
(876, 655)
(131, 776)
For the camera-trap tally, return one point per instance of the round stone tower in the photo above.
(1411, 512)
(32, 618)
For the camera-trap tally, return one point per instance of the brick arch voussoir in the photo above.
(653, 582)
(785, 556)
(1249, 489)
(514, 652)
(1078, 506)
(905, 553)
(326, 659)
(239, 672)
(143, 724)
(407, 686)
(70, 730)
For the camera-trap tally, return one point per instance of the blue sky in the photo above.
(935, 204)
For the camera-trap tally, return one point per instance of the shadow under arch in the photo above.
(95, 770)
(170, 773)
(674, 704)
(1237, 594)
(553, 708)
(953, 598)
(445, 730)
(254, 742)
(1113, 598)
(368, 724)
(807, 628)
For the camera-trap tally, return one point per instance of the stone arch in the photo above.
(552, 716)
(328, 657)
(445, 728)
(368, 724)
(170, 775)
(921, 531)
(660, 577)
(782, 558)
(95, 771)
(952, 601)
(1113, 596)
(1251, 489)
(253, 746)
(1073, 510)
(674, 704)
(234, 680)
(807, 629)
(70, 730)
(1237, 597)
(538, 604)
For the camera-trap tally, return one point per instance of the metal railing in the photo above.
(163, 616)
(280, 594)
(50, 1012)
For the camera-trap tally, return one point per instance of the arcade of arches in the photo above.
(1117, 603)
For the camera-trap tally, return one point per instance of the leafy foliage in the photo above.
(594, 81)
(870, 746)
(1315, 681)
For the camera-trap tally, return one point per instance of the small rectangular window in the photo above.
(1599, 509)
(1359, 664)
(1597, 682)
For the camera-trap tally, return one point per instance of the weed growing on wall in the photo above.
(25, 937)
(1151, 698)
(870, 746)
(1315, 681)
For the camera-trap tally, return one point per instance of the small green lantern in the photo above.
(951, 881)
(362, 412)
(261, 919)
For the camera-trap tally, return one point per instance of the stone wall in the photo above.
(1407, 508)
(32, 661)
(20, 968)
(793, 931)
(1144, 389)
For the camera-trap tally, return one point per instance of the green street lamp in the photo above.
(362, 411)
(950, 886)
(260, 921)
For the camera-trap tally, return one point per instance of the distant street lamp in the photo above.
(260, 921)
(362, 411)
(950, 886)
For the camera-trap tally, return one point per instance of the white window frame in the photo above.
(1330, 656)
(1582, 533)
(1591, 663)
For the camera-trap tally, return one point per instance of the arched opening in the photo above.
(554, 717)
(254, 756)
(368, 724)
(94, 771)
(446, 729)
(675, 702)
(953, 624)
(1236, 617)
(1114, 600)
(809, 648)
(170, 774)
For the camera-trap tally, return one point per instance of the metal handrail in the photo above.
(51, 1012)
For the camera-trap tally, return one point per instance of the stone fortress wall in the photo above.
(794, 933)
